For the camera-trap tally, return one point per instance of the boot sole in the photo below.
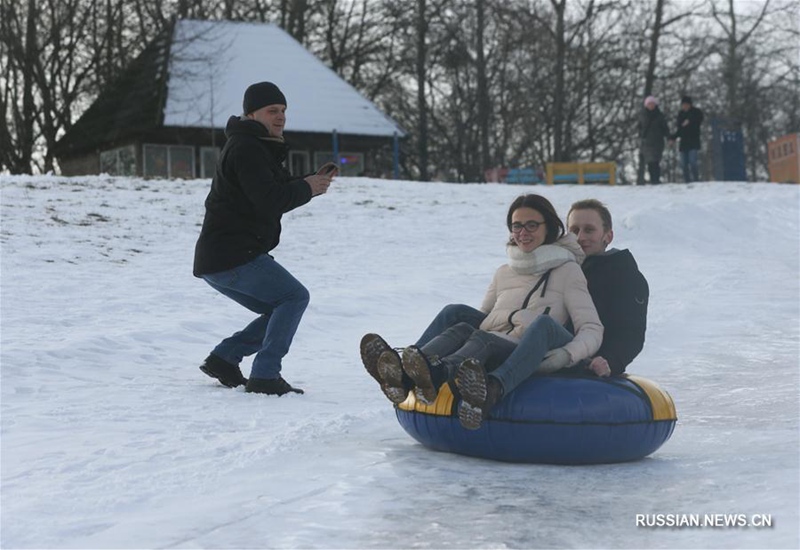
(470, 417)
(416, 367)
(371, 348)
(390, 373)
(279, 393)
(472, 384)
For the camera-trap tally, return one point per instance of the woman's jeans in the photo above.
(540, 337)
(543, 335)
(264, 287)
(450, 316)
(463, 341)
(691, 172)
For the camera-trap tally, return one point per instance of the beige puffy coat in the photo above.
(565, 294)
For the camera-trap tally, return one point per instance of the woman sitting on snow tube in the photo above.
(541, 287)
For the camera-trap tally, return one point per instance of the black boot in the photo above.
(228, 374)
(395, 384)
(479, 393)
(427, 378)
(270, 386)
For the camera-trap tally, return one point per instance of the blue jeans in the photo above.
(264, 287)
(540, 337)
(463, 341)
(691, 171)
(543, 335)
(451, 315)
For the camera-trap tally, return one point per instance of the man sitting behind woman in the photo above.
(540, 289)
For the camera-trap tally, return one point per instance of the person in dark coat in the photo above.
(653, 131)
(689, 120)
(618, 289)
(250, 191)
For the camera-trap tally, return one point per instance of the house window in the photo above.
(168, 161)
(119, 162)
(156, 162)
(181, 162)
(350, 164)
(298, 163)
(208, 161)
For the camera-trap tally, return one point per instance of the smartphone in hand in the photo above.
(328, 169)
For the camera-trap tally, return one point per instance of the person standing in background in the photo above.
(653, 131)
(689, 120)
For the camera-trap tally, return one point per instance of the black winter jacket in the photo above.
(620, 293)
(250, 192)
(689, 134)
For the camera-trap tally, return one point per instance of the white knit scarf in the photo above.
(539, 260)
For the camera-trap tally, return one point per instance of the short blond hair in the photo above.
(597, 206)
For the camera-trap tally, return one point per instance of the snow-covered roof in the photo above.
(213, 62)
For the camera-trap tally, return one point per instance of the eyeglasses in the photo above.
(530, 226)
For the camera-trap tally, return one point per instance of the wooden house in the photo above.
(165, 116)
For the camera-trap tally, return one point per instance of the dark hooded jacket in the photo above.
(620, 293)
(250, 192)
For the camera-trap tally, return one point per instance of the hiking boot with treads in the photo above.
(371, 348)
(427, 378)
(394, 382)
(479, 393)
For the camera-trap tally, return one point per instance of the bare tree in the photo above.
(483, 89)
(735, 40)
(359, 41)
(479, 83)
(422, 76)
(661, 22)
(56, 68)
(48, 73)
(20, 51)
(757, 63)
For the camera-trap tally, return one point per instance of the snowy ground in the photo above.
(112, 438)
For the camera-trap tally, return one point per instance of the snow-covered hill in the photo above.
(112, 438)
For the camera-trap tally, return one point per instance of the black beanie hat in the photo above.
(686, 99)
(260, 95)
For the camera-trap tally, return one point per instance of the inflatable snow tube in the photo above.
(552, 420)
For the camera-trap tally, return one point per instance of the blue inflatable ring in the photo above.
(552, 420)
